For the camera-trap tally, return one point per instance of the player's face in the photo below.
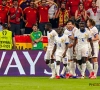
(88, 23)
(69, 26)
(35, 28)
(4, 2)
(81, 26)
(59, 30)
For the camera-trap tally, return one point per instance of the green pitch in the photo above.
(44, 83)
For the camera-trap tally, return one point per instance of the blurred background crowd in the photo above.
(21, 15)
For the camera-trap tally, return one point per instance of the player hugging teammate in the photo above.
(73, 47)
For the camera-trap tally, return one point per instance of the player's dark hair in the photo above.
(49, 25)
(70, 21)
(91, 21)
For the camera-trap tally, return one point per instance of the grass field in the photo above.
(44, 83)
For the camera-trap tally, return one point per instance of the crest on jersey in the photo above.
(86, 35)
(62, 40)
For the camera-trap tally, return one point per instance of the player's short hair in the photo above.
(70, 21)
(91, 21)
(49, 25)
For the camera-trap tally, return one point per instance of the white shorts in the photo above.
(83, 52)
(70, 53)
(96, 52)
(64, 60)
(48, 55)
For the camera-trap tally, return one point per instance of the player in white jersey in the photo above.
(95, 39)
(50, 62)
(61, 46)
(70, 30)
(82, 36)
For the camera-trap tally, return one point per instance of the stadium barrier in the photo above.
(24, 42)
(25, 63)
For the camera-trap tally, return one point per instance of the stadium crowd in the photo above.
(22, 14)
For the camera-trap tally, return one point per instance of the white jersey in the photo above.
(70, 33)
(94, 31)
(95, 16)
(82, 38)
(61, 44)
(51, 35)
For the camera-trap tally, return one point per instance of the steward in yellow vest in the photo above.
(6, 38)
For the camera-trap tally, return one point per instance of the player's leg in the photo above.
(47, 58)
(95, 61)
(85, 53)
(58, 59)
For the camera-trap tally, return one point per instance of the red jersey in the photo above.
(3, 13)
(31, 16)
(15, 12)
(73, 4)
(87, 4)
(43, 14)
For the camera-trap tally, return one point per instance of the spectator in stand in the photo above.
(43, 9)
(94, 13)
(4, 9)
(36, 37)
(30, 14)
(63, 15)
(87, 4)
(80, 14)
(9, 3)
(14, 16)
(98, 3)
(52, 13)
(73, 6)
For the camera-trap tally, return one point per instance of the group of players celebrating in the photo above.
(73, 47)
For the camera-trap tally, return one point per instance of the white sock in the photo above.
(63, 70)
(95, 68)
(83, 69)
(57, 69)
(53, 69)
(74, 68)
(89, 66)
(70, 67)
(67, 69)
(79, 67)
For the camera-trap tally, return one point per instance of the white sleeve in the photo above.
(95, 31)
(55, 40)
(67, 39)
(75, 35)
